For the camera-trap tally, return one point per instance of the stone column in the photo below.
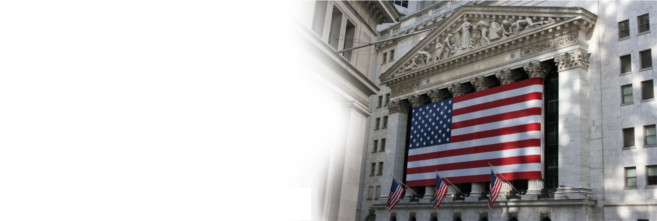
(476, 192)
(416, 101)
(437, 95)
(395, 145)
(506, 76)
(429, 191)
(481, 83)
(450, 191)
(573, 125)
(535, 69)
(504, 191)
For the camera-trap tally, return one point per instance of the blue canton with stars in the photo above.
(431, 124)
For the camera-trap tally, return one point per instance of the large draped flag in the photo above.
(396, 193)
(441, 191)
(495, 187)
(459, 136)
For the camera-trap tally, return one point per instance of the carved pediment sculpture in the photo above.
(475, 32)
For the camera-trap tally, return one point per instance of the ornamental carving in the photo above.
(535, 69)
(417, 100)
(573, 59)
(437, 95)
(506, 76)
(398, 106)
(481, 83)
(458, 89)
(549, 44)
(472, 33)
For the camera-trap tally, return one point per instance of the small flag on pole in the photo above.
(441, 191)
(396, 193)
(495, 187)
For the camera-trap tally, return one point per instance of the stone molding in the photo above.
(437, 95)
(417, 100)
(573, 59)
(398, 106)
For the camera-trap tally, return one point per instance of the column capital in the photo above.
(437, 95)
(456, 89)
(417, 100)
(398, 106)
(535, 69)
(481, 83)
(506, 76)
(578, 58)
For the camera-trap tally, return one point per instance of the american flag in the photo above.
(460, 136)
(495, 187)
(441, 191)
(396, 193)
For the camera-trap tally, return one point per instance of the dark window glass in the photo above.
(624, 29)
(626, 92)
(373, 169)
(336, 22)
(644, 23)
(319, 16)
(380, 101)
(383, 145)
(630, 176)
(385, 122)
(651, 172)
(387, 99)
(628, 137)
(377, 192)
(647, 90)
(392, 55)
(370, 192)
(349, 35)
(626, 64)
(376, 144)
(378, 121)
(385, 58)
(650, 135)
(380, 169)
(646, 59)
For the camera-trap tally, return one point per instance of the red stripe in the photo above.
(477, 178)
(477, 149)
(506, 87)
(498, 103)
(497, 132)
(498, 117)
(476, 163)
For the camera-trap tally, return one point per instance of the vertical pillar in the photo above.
(535, 69)
(395, 144)
(476, 192)
(573, 125)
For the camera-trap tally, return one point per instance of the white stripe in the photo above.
(497, 125)
(527, 167)
(477, 142)
(476, 156)
(497, 110)
(498, 96)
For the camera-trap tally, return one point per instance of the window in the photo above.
(392, 55)
(651, 175)
(336, 22)
(644, 23)
(642, 220)
(349, 34)
(319, 17)
(370, 191)
(647, 90)
(628, 137)
(650, 135)
(380, 169)
(376, 126)
(623, 29)
(626, 91)
(376, 144)
(626, 64)
(387, 99)
(646, 59)
(630, 176)
(373, 169)
(401, 3)
(385, 58)
(377, 193)
(383, 145)
(385, 122)
(380, 101)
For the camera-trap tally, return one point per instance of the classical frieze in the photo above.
(554, 43)
(573, 59)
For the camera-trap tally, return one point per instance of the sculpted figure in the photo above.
(438, 52)
(465, 34)
(506, 27)
(483, 27)
(448, 45)
(495, 31)
(523, 24)
(423, 57)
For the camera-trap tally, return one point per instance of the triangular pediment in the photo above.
(473, 33)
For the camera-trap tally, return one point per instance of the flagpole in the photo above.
(402, 183)
(507, 181)
(450, 182)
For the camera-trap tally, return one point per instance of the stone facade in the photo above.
(576, 40)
